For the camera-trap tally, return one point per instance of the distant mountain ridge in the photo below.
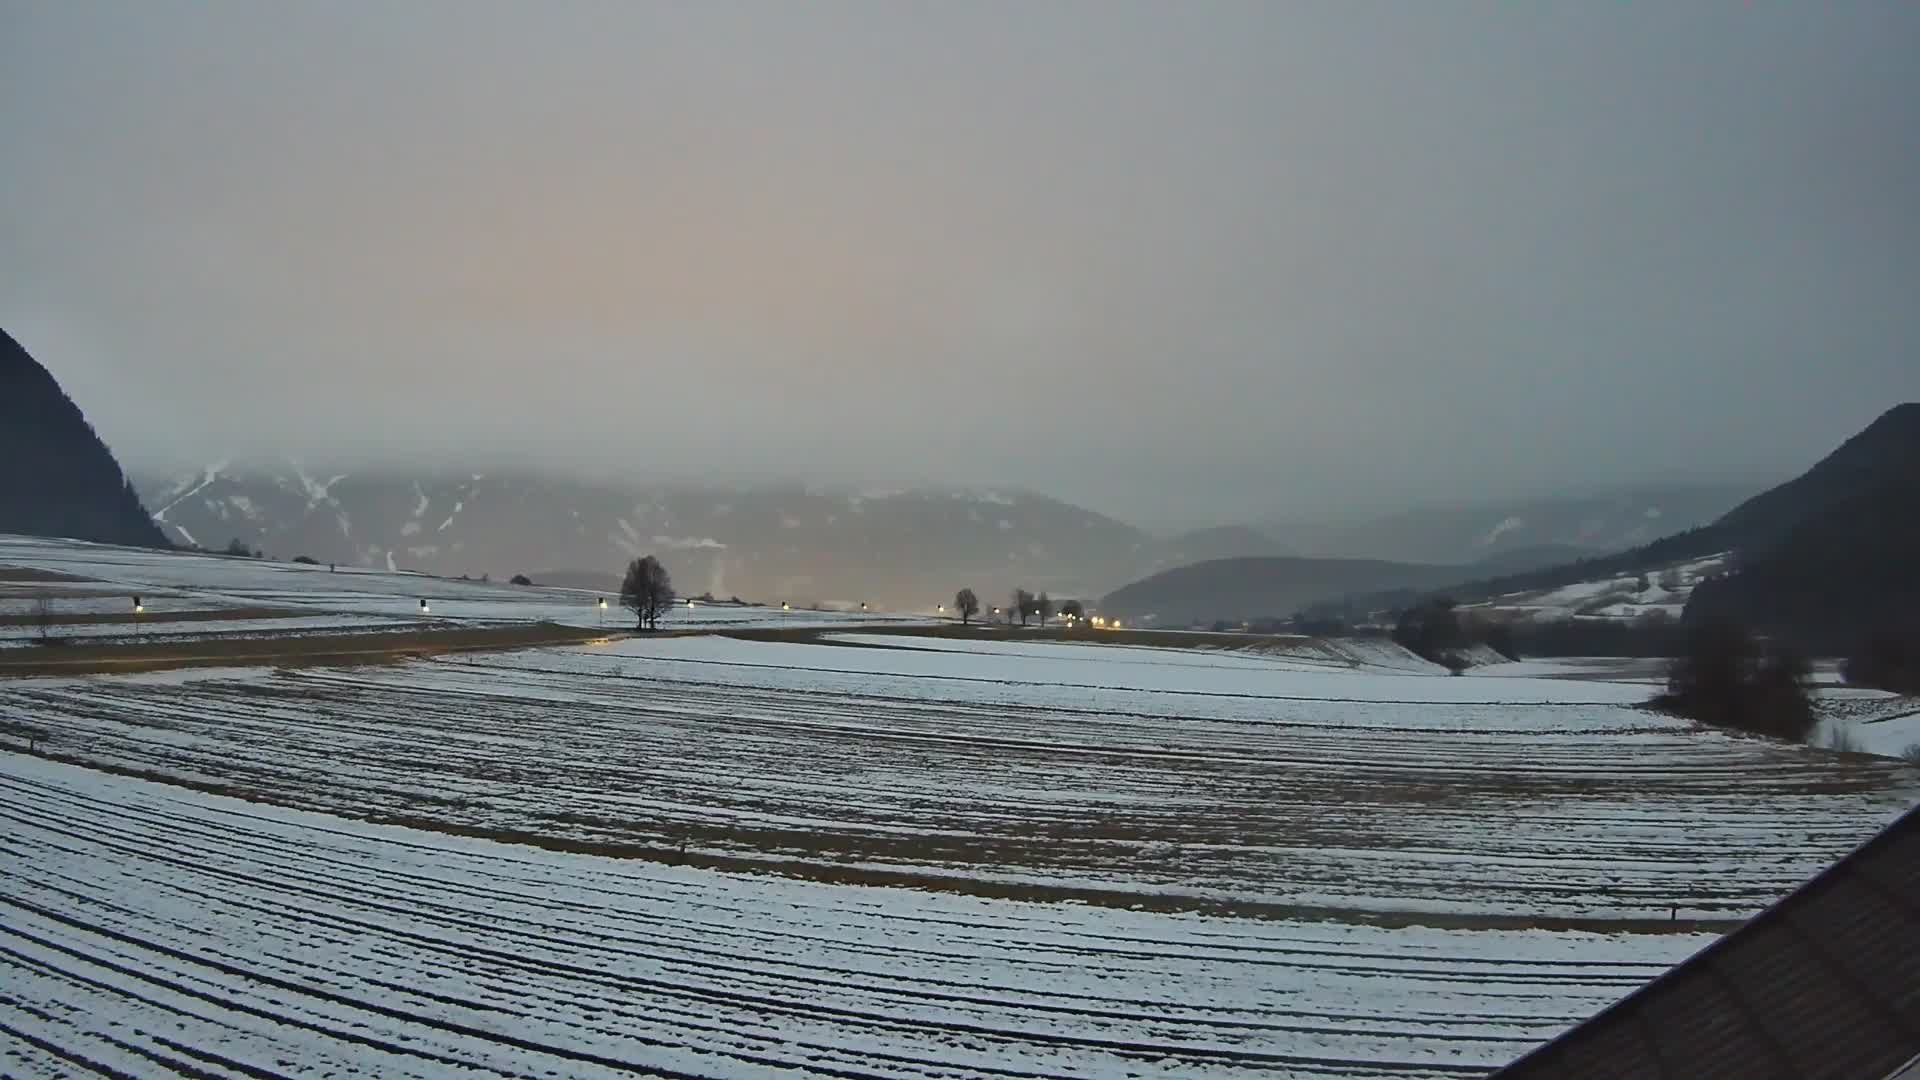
(57, 478)
(1579, 524)
(1823, 559)
(1236, 589)
(1833, 555)
(1242, 588)
(905, 549)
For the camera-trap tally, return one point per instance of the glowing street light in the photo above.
(601, 603)
(423, 607)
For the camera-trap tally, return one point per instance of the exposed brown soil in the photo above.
(97, 618)
(291, 651)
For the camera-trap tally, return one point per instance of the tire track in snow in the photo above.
(200, 843)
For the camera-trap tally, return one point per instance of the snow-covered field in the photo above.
(870, 855)
(1169, 777)
(153, 930)
(1662, 591)
(315, 598)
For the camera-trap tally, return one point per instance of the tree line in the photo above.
(1021, 604)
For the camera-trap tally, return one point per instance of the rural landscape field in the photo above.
(878, 541)
(827, 844)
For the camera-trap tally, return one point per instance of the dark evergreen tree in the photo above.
(56, 477)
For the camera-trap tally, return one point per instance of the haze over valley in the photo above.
(870, 541)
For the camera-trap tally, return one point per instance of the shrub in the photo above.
(1911, 755)
(306, 560)
(1499, 637)
(1430, 631)
(520, 579)
(1725, 678)
(1887, 660)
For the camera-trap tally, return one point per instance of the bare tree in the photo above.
(1022, 603)
(647, 591)
(967, 604)
(43, 615)
(1073, 609)
(1043, 607)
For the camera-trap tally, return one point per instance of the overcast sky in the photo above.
(1175, 261)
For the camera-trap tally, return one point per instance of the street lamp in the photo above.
(423, 606)
(601, 603)
(137, 609)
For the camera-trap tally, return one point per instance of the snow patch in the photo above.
(687, 543)
(208, 476)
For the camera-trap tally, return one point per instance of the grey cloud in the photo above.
(1177, 262)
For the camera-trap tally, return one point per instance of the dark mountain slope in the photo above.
(1830, 582)
(1833, 556)
(1832, 507)
(1868, 472)
(56, 477)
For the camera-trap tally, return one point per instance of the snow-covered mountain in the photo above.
(900, 549)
